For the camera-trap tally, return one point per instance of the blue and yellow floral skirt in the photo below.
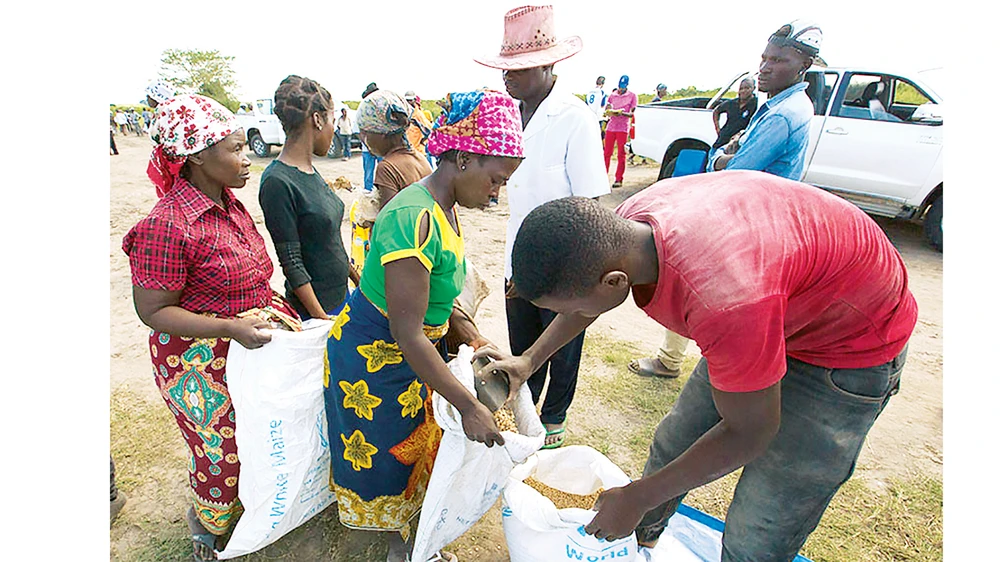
(383, 438)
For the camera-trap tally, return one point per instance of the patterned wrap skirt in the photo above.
(383, 437)
(191, 376)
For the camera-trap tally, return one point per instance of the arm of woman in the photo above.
(160, 311)
(281, 219)
(407, 290)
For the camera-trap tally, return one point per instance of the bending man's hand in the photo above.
(518, 368)
(618, 514)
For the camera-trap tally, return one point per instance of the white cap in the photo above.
(800, 34)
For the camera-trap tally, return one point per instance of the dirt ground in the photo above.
(906, 440)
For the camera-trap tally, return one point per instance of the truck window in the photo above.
(867, 97)
(819, 87)
(265, 107)
(906, 99)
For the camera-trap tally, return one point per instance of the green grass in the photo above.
(901, 523)
(614, 412)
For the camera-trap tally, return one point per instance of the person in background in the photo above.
(661, 92)
(420, 125)
(738, 112)
(147, 119)
(777, 136)
(133, 122)
(596, 100)
(368, 160)
(562, 158)
(383, 364)
(345, 129)
(201, 278)
(301, 213)
(803, 320)
(384, 120)
(620, 108)
(121, 121)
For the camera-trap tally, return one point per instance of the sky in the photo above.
(428, 46)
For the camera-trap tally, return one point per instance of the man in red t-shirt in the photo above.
(800, 305)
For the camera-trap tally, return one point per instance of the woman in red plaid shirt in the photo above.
(200, 276)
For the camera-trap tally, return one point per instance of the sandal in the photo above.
(206, 540)
(652, 368)
(558, 442)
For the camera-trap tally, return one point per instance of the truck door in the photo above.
(820, 89)
(872, 142)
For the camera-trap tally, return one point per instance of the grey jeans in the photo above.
(781, 495)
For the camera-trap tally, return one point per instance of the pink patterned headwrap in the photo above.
(185, 125)
(482, 122)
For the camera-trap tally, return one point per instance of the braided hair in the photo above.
(296, 99)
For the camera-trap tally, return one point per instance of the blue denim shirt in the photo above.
(777, 136)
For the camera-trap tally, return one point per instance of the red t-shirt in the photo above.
(755, 267)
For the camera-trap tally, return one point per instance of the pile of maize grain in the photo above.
(561, 499)
(505, 419)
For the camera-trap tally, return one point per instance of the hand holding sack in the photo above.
(468, 476)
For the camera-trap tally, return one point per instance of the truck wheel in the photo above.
(933, 229)
(258, 146)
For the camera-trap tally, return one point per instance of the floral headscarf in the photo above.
(383, 112)
(185, 125)
(160, 91)
(482, 122)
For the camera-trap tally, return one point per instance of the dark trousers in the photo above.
(114, 148)
(781, 495)
(114, 489)
(525, 323)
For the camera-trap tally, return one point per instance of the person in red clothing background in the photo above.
(620, 107)
(801, 307)
(200, 279)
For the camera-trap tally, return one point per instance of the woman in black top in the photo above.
(302, 214)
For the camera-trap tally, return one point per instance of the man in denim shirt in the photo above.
(778, 133)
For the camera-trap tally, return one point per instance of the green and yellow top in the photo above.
(396, 236)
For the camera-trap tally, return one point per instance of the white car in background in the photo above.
(876, 140)
(262, 126)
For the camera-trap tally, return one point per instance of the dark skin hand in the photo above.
(160, 311)
(407, 290)
(750, 421)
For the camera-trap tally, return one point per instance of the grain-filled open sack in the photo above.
(537, 531)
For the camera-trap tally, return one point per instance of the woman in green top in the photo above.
(381, 357)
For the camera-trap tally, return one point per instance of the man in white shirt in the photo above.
(597, 99)
(563, 157)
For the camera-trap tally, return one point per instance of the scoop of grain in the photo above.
(505, 419)
(561, 499)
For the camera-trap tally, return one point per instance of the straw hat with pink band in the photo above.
(529, 40)
(483, 122)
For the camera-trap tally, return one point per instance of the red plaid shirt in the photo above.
(214, 256)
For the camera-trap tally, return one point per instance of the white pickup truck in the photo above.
(262, 126)
(875, 140)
